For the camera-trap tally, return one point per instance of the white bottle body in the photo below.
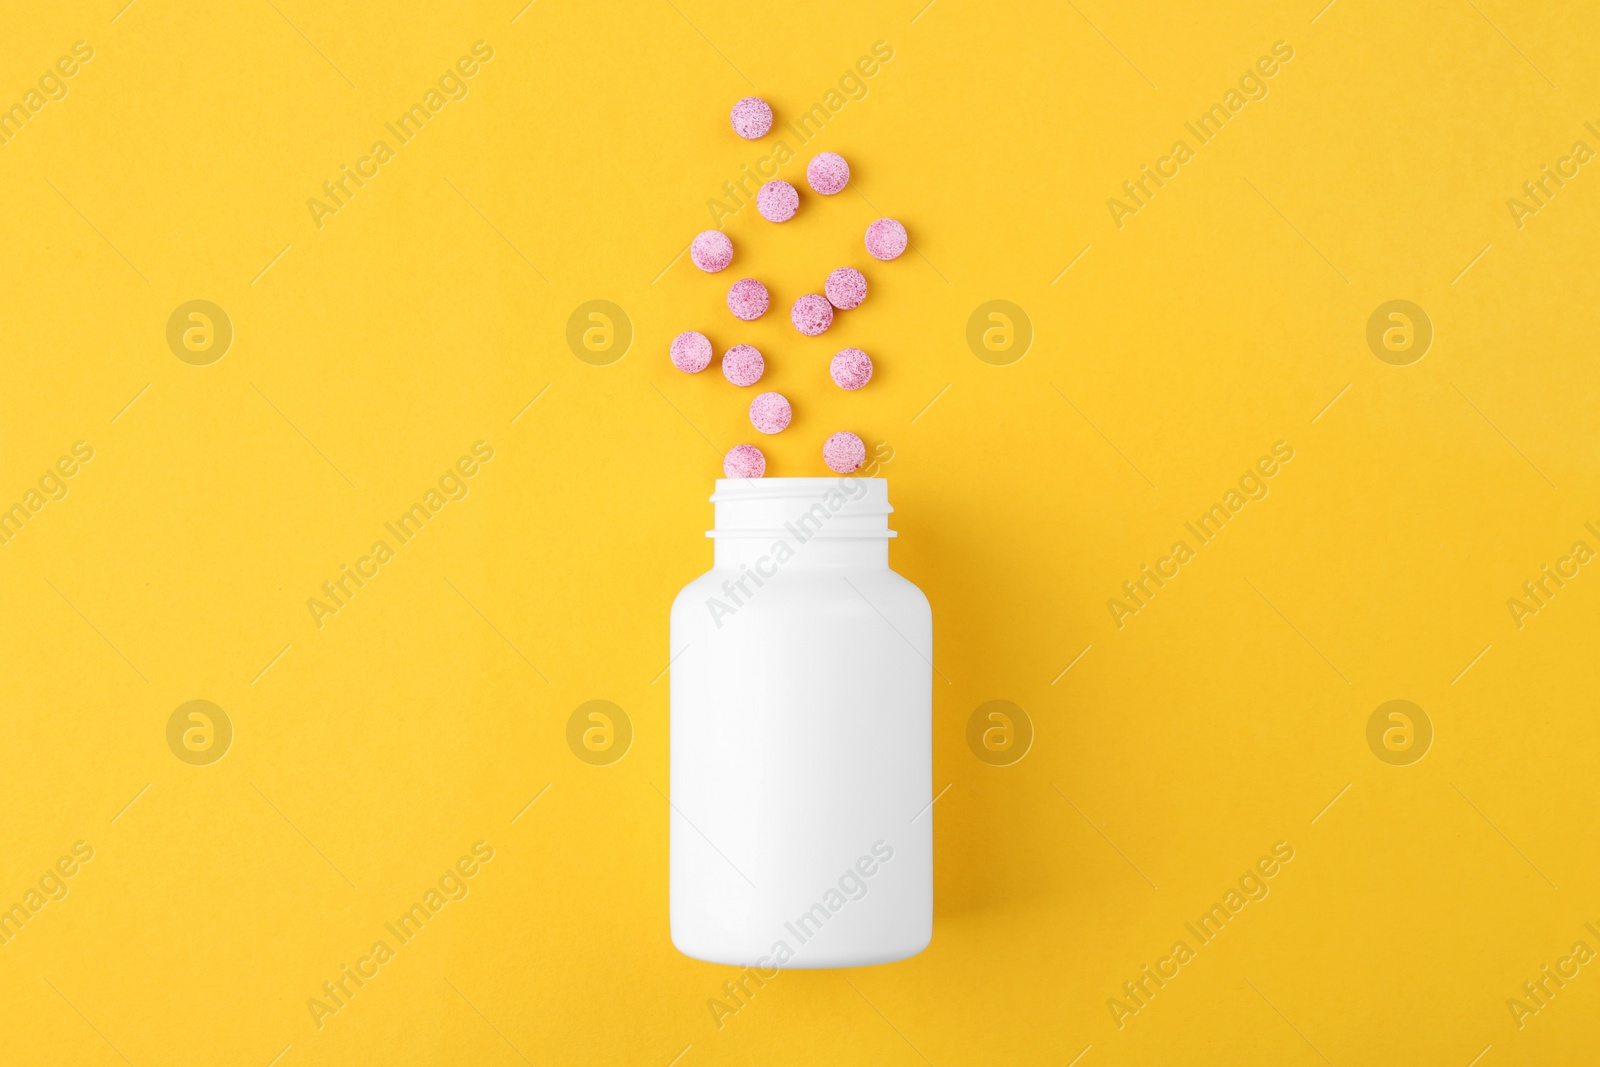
(801, 737)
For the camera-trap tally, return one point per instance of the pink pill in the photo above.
(744, 461)
(827, 173)
(742, 365)
(711, 251)
(851, 368)
(811, 314)
(846, 288)
(751, 118)
(770, 412)
(747, 299)
(886, 239)
(844, 452)
(691, 352)
(777, 200)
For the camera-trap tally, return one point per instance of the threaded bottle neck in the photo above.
(841, 521)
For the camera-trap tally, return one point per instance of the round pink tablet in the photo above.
(747, 299)
(827, 173)
(691, 351)
(742, 365)
(846, 288)
(751, 118)
(711, 250)
(844, 452)
(777, 200)
(886, 239)
(811, 314)
(744, 461)
(851, 368)
(770, 412)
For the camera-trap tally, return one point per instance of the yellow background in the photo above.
(370, 353)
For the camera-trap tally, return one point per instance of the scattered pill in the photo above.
(744, 461)
(751, 118)
(747, 299)
(691, 351)
(846, 288)
(886, 239)
(851, 368)
(827, 173)
(811, 314)
(770, 412)
(844, 452)
(711, 250)
(777, 200)
(742, 365)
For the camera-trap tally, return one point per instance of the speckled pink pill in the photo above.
(770, 412)
(747, 299)
(711, 250)
(742, 365)
(851, 368)
(744, 461)
(691, 351)
(751, 117)
(844, 452)
(846, 288)
(886, 239)
(827, 173)
(777, 200)
(811, 314)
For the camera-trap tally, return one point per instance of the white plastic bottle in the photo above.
(801, 735)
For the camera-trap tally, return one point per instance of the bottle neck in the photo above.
(772, 523)
(766, 556)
